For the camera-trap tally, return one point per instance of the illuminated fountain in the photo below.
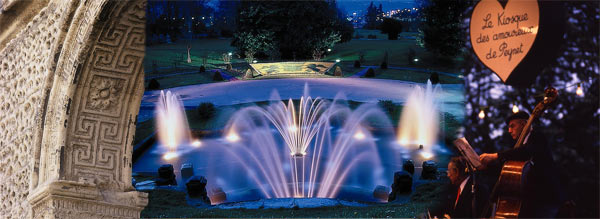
(311, 147)
(171, 123)
(419, 121)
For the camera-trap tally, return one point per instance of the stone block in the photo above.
(429, 170)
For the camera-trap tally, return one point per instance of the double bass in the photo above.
(513, 176)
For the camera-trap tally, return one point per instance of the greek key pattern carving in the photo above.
(97, 145)
(120, 47)
(107, 82)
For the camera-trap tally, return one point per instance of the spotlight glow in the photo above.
(293, 128)
(197, 143)
(170, 155)
(359, 135)
(426, 155)
(233, 137)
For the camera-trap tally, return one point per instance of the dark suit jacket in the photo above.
(463, 208)
(542, 182)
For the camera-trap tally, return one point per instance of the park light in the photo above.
(202, 18)
(254, 61)
(579, 91)
(192, 18)
(416, 59)
(481, 114)
(337, 60)
(515, 108)
(229, 53)
(328, 50)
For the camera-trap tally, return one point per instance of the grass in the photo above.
(166, 55)
(168, 203)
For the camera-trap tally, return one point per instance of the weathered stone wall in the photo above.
(25, 69)
(71, 83)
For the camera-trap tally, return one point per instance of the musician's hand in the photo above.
(446, 216)
(488, 158)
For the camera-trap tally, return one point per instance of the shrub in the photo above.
(153, 84)
(357, 64)
(411, 56)
(388, 106)
(434, 78)
(206, 111)
(338, 71)
(370, 73)
(217, 76)
(384, 65)
(202, 69)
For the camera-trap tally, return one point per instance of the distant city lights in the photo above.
(515, 108)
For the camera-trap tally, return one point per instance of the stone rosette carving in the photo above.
(105, 94)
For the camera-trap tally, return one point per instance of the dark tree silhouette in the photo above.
(442, 35)
(391, 27)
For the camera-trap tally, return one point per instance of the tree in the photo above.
(371, 17)
(391, 27)
(442, 32)
(291, 27)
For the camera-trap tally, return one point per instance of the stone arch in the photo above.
(73, 81)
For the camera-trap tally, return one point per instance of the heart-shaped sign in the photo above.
(501, 37)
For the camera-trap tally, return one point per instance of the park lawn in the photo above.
(374, 52)
(166, 54)
(183, 80)
(172, 204)
(414, 76)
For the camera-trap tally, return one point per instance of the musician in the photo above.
(462, 206)
(541, 196)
